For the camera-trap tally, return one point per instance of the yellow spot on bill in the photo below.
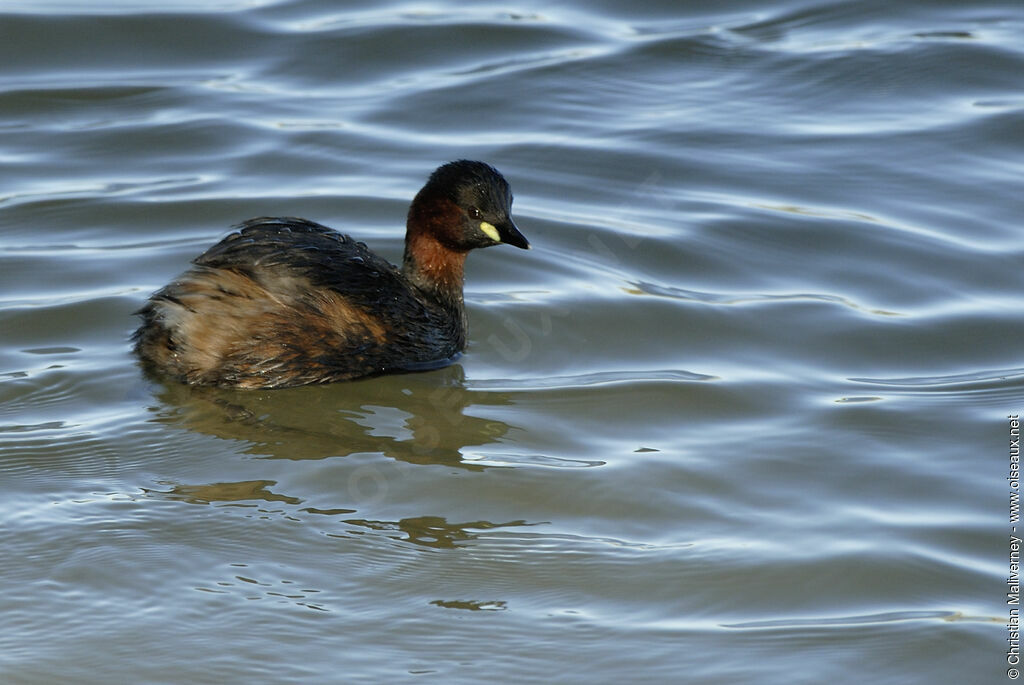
(490, 231)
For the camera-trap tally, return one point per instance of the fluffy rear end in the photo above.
(221, 327)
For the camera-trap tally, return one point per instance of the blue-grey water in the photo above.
(739, 416)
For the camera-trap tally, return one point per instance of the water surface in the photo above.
(740, 415)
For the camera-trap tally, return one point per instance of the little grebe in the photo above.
(285, 301)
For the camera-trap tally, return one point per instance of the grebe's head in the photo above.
(465, 205)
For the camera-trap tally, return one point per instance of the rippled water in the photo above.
(740, 416)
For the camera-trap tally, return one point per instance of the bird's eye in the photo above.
(474, 213)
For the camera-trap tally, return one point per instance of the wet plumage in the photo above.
(286, 301)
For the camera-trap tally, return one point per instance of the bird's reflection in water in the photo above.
(433, 531)
(418, 418)
(413, 418)
(225, 493)
(426, 531)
